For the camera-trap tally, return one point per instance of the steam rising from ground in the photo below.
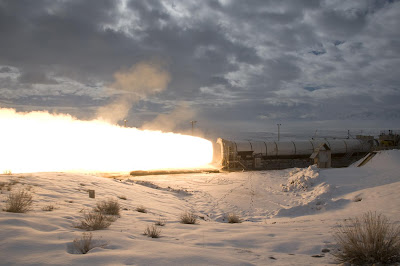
(42, 142)
(140, 81)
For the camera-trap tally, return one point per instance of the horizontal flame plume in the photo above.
(43, 142)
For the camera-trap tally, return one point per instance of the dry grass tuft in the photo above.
(3, 185)
(84, 244)
(108, 207)
(233, 218)
(20, 201)
(94, 220)
(188, 218)
(48, 208)
(368, 240)
(141, 209)
(161, 222)
(152, 231)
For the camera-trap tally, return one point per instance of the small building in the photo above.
(389, 139)
(322, 156)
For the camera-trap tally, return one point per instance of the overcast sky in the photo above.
(237, 65)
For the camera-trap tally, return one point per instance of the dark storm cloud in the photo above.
(65, 35)
(36, 78)
(5, 70)
(196, 52)
(233, 61)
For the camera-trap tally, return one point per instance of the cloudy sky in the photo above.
(237, 65)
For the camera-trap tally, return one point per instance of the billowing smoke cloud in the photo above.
(130, 86)
(173, 121)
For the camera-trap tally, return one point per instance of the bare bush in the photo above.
(20, 201)
(368, 240)
(141, 209)
(94, 220)
(108, 207)
(48, 208)
(188, 218)
(84, 244)
(152, 231)
(161, 222)
(234, 218)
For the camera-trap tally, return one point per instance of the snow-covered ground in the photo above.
(288, 215)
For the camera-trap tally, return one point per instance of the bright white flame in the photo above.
(42, 142)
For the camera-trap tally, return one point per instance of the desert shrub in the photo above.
(94, 220)
(188, 218)
(86, 243)
(357, 199)
(161, 222)
(48, 208)
(141, 209)
(152, 231)
(234, 218)
(19, 201)
(108, 207)
(368, 240)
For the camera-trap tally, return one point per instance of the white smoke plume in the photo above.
(132, 85)
(173, 121)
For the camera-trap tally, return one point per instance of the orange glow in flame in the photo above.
(42, 142)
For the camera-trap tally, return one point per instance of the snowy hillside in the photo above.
(288, 215)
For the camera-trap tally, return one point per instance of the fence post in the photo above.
(91, 194)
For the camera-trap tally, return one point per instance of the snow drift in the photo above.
(283, 225)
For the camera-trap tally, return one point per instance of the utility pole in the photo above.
(193, 123)
(279, 131)
(125, 123)
(315, 134)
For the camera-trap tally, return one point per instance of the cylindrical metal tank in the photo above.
(258, 148)
(289, 149)
(244, 146)
(305, 147)
(337, 146)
